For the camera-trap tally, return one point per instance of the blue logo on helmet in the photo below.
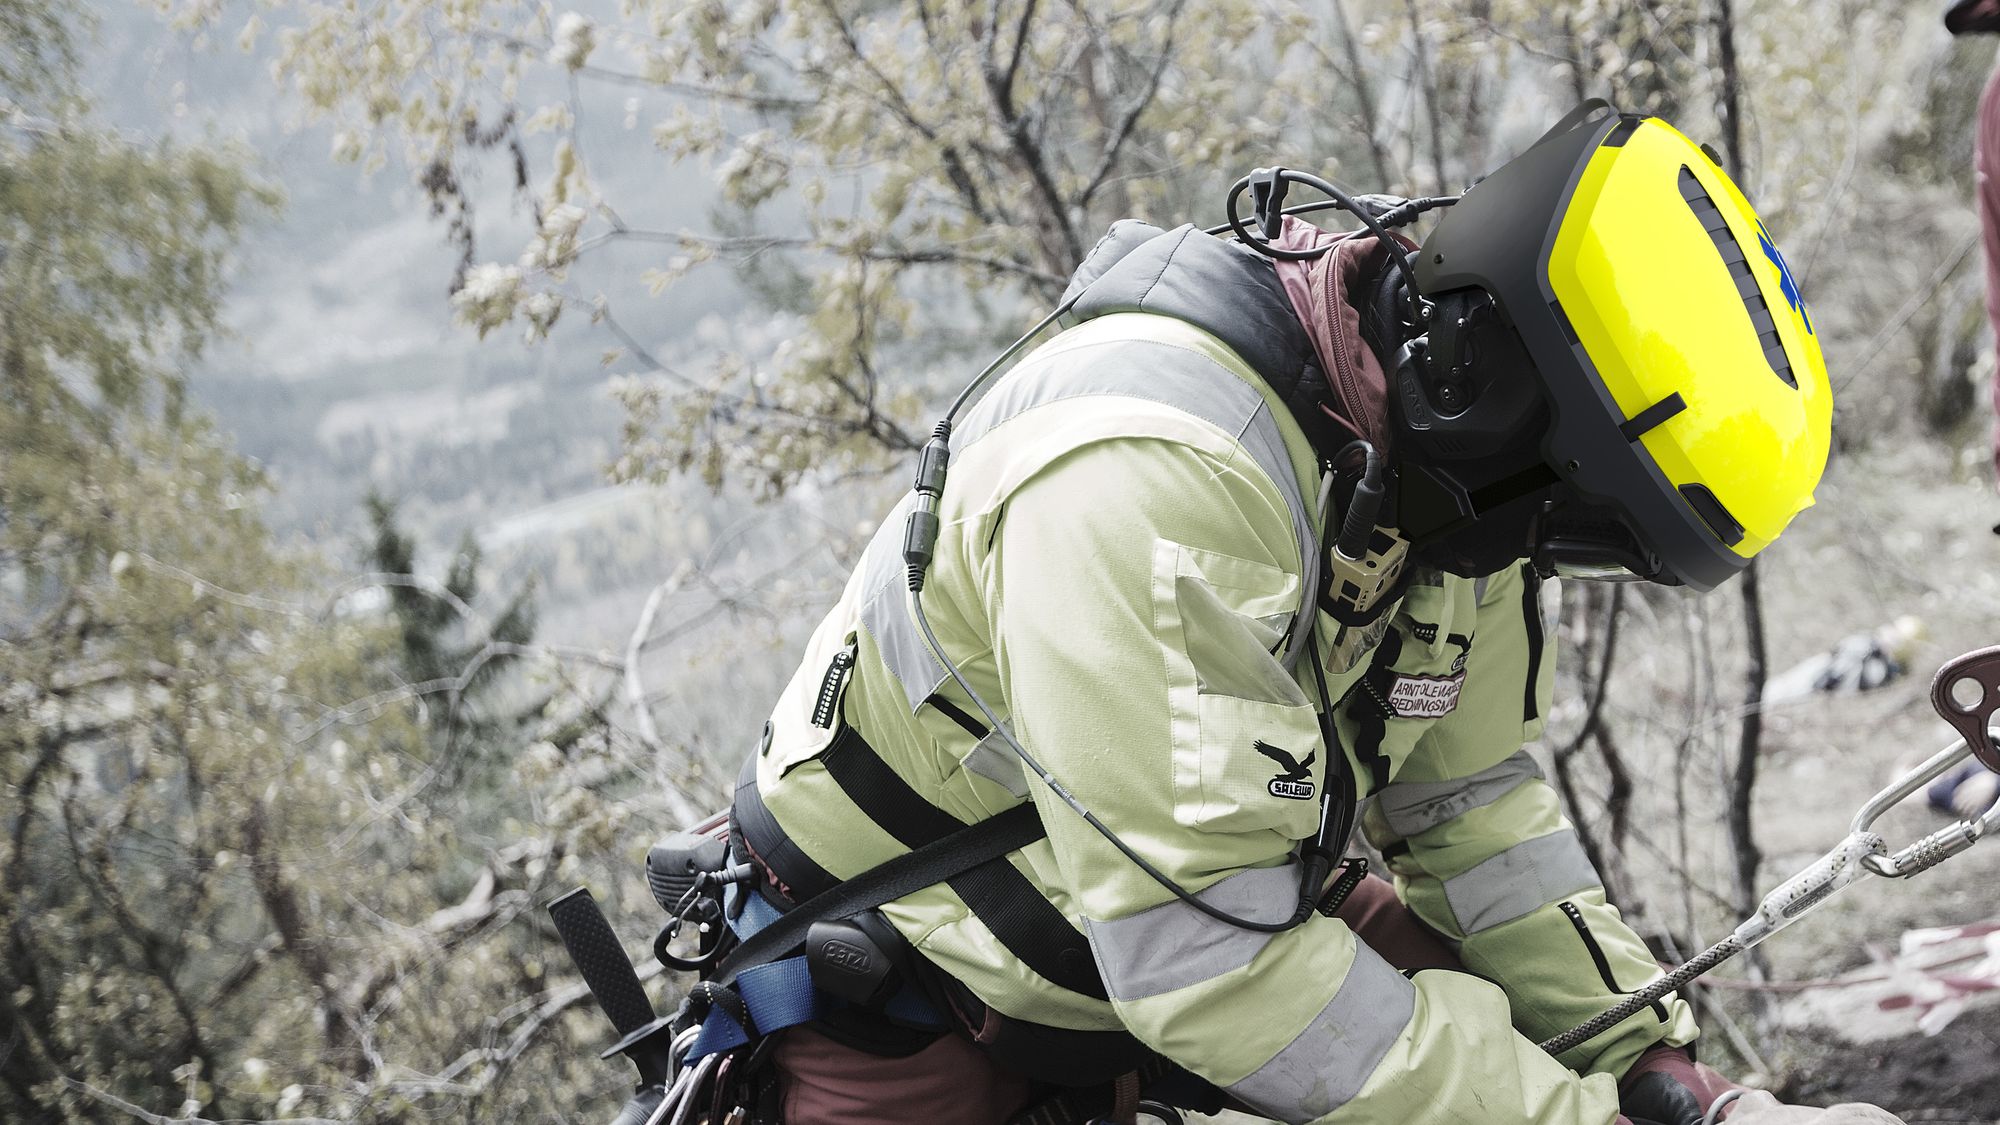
(1786, 284)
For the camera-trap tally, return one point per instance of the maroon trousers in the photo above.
(952, 1082)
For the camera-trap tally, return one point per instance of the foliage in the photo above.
(432, 618)
(900, 184)
(246, 842)
(874, 161)
(885, 167)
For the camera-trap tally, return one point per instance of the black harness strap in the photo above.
(1368, 702)
(970, 846)
(885, 797)
(1001, 897)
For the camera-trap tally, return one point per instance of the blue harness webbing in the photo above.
(780, 994)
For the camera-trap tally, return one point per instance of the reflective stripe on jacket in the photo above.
(1120, 557)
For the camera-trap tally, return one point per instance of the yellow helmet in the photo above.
(1673, 362)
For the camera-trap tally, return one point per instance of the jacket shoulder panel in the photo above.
(1222, 288)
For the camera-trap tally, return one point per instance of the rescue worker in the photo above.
(1597, 365)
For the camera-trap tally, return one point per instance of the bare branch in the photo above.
(635, 684)
(209, 589)
(1919, 297)
(1020, 46)
(1028, 151)
(281, 903)
(1601, 682)
(1130, 120)
(1427, 91)
(895, 437)
(945, 255)
(955, 169)
(113, 1101)
(245, 971)
(428, 586)
(496, 1060)
(762, 103)
(1742, 773)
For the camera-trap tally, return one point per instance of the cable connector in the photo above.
(1267, 200)
(1364, 508)
(1366, 561)
(920, 532)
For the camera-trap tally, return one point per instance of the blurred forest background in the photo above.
(427, 427)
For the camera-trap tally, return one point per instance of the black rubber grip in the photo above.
(601, 959)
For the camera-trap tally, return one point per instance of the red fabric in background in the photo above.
(1986, 176)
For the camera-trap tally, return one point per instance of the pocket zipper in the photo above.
(1597, 957)
(827, 706)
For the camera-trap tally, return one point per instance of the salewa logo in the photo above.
(1294, 780)
(1464, 644)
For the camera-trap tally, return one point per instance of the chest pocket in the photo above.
(1246, 742)
(1416, 676)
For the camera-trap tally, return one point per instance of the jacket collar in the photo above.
(1290, 329)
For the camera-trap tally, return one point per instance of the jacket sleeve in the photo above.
(1482, 852)
(1138, 588)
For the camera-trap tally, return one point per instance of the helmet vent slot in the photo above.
(1761, 322)
(1713, 513)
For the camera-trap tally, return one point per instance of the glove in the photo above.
(1760, 1108)
(1664, 1087)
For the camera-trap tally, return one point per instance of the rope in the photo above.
(1708, 959)
(1721, 1103)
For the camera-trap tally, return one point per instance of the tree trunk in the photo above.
(1743, 773)
(1743, 778)
(1731, 107)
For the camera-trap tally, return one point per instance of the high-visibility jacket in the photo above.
(1127, 532)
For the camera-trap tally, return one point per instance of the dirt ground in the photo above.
(1952, 1078)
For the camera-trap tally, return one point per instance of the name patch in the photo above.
(1425, 697)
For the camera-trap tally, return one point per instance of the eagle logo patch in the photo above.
(1294, 780)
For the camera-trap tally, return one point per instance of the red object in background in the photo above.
(1986, 175)
(1969, 17)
